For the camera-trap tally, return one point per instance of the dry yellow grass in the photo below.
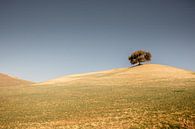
(6, 80)
(144, 73)
(148, 96)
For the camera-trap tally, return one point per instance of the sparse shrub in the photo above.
(140, 56)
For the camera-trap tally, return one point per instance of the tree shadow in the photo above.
(135, 65)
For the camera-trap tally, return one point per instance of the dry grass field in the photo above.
(148, 96)
(6, 80)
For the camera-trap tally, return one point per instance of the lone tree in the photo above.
(140, 56)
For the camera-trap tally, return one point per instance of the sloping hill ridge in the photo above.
(138, 74)
(6, 80)
(147, 96)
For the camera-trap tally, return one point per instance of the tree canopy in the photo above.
(140, 56)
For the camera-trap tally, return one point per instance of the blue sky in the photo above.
(41, 40)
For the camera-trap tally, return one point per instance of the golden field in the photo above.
(146, 96)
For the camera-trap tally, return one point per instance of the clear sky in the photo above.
(44, 39)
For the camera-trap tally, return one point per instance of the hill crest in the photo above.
(136, 73)
(7, 80)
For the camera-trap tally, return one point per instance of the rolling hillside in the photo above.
(6, 80)
(139, 74)
(146, 96)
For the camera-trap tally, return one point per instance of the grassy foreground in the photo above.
(152, 104)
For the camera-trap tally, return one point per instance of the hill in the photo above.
(138, 74)
(146, 96)
(6, 80)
